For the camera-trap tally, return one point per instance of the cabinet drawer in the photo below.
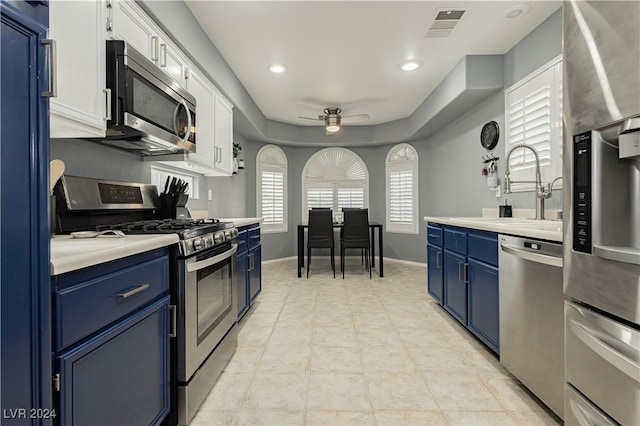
(484, 248)
(455, 241)
(434, 235)
(243, 241)
(254, 237)
(86, 307)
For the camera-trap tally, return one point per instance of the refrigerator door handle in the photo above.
(606, 351)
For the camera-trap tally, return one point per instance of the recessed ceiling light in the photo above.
(410, 66)
(517, 11)
(277, 68)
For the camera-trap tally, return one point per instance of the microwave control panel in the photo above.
(582, 199)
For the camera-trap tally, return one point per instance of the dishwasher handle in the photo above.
(534, 257)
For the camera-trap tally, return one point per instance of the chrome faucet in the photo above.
(542, 193)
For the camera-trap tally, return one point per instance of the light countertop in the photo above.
(242, 221)
(69, 254)
(543, 229)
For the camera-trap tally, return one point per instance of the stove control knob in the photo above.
(197, 244)
(234, 233)
(219, 237)
(227, 234)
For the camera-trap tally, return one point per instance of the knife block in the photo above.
(173, 206)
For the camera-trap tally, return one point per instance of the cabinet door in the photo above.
(121, 376)
(455, 286)
(255, 272)
(483, 303)
(434, 277)
(132, 25)
(242, 275)
(24, 250)
(172, 63)
(223, 137)
(200, 87)
(79, 110)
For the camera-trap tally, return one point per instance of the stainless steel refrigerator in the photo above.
(601, 276)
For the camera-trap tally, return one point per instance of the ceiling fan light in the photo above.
(332, 123)
(410, 66)
(277, 68)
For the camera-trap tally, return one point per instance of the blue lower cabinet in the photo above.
(248, 266)
(25, 337)
(242, 276)
(255, 272)
(434, 273)
(455, 285)
(483, 310)
(120, 376)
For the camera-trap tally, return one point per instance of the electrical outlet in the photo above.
(498, 191)
(210, 195)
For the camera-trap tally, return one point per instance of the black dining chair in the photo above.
(320, 235)
(355, 234)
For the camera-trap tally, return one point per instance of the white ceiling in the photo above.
(348, 53)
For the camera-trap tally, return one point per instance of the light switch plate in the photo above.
(210, 195)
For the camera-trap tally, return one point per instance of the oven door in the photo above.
(208, 308)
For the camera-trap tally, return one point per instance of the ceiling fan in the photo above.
(333, 120)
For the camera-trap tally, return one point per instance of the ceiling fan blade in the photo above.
(355, 118)
(319, 118)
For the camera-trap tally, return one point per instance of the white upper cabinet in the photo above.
(131, 24)
(171, 61)
(79, 29)
(223, 136)
(205, 95)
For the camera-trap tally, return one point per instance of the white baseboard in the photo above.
(282, 259)
(406, 262)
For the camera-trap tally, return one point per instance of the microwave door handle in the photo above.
(186, 109)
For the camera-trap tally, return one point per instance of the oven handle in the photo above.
(193, 267)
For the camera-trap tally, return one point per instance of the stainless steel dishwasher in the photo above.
(532, 316)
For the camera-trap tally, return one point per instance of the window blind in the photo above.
(272, 197)
(319, 197)
(534, 117)
(350, 197)
(401, 196)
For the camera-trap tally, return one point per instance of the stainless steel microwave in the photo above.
(147, 112)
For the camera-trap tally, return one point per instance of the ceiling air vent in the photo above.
(445, 21)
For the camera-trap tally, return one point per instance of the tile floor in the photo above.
(360, 352)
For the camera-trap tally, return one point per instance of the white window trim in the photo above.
(333, 183)
(402, 165)
(556, 125)
(274, 167)
(194, 188)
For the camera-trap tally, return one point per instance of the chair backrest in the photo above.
(356, 227)
(320, 228)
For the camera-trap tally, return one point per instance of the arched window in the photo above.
(334, 178)
(402, 189)
(271, 184)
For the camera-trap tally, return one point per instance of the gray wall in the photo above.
(450, 182)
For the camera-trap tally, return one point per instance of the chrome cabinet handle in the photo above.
(163, 61)
(174, 321)
(465, 272)
(108, 94)
(438, 261)
(53, 68)
(130, 293)
(460, 271)
(154, 48)
(433, 235)
(255, 237)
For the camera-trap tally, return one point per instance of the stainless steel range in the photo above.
(203, 287)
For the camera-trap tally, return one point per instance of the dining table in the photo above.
(373, 226)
